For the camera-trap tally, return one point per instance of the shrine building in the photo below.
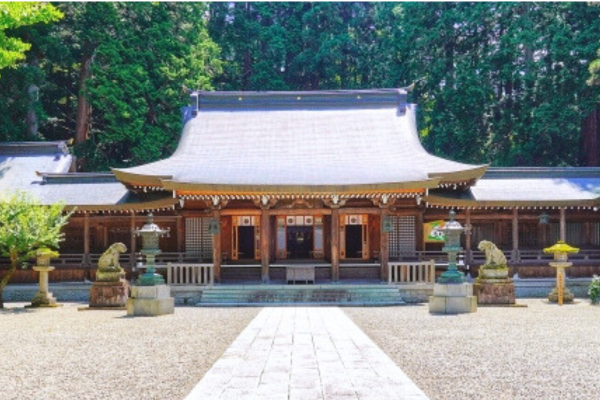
(338, 180)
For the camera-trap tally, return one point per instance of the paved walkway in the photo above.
(307, 353)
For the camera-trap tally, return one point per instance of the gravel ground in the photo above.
(64, 353)
(542, 351)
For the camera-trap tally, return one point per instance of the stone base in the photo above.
(43, 299)
(109, 294)
(150, 307)
(150, 301)
(452, 298)
(568, 297)
(494, 291)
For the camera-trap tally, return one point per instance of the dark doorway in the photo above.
(246, 242)
(354, 241)
(299, 241)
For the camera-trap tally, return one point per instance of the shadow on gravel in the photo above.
(17, 310)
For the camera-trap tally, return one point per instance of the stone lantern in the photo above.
(451, 294)
(560, 293)
(150, 296)
(150, 234)
(43, 298)
(452, 231)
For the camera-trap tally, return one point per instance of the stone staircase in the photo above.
(313, 295)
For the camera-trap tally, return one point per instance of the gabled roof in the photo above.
(527, 187)
(303, 142)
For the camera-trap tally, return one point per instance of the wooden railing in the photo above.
(190, 274)
(411, 272)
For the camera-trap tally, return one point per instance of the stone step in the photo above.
(358, 295)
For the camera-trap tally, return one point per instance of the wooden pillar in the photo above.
(335, 244)
(420, 239)
(384, 250)
(265, 239)
(132, 245)
(180, 234)
(563, 225)
(86, 240)
(217, 248)
(515, 235)
(468, 237)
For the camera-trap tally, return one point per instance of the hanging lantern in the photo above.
(544, 219)
(213, 227)
(387, 225)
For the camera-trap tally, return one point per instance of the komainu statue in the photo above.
(109, 269)
(494, 258)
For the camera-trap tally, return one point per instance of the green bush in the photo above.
(594, 290)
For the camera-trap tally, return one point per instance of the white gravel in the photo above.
(542, 351)
(64, 353)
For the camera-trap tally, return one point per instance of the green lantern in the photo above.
(387, 225)
(452, 231)
(150, 234)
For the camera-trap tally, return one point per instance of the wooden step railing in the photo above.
(411, 272)
(190, 274)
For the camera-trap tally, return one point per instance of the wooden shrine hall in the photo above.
(336, 180)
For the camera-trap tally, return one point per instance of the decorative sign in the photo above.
(433, 233)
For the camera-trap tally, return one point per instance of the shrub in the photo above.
(594, 290)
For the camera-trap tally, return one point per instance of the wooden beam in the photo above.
(335, 245)
(242, 211)
(301, 211)
(265, 232)
(359, 210)
(217, 249)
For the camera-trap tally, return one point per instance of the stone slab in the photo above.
(452, 289)
(304, 353)
(150, 307)
(150, 292)
(452, 305)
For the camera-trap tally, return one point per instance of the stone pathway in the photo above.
(312, 353)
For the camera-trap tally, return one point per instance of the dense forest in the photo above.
(501, 83)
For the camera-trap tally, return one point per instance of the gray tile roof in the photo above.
(301, 139)
(529, 186)
(42, 170)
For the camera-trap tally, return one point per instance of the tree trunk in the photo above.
(589, 131)
(82, 123)
(14, 261)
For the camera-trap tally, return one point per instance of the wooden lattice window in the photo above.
(198, 242)
(403, 238)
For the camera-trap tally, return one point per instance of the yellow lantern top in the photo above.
(561, 247)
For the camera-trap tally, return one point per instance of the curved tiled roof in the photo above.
(335, 141)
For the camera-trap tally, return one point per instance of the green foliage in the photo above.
(500, 83)
(25, 227)
(594, 290)
(15, 15)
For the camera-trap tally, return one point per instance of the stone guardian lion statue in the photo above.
(493, 255)
(109, 269)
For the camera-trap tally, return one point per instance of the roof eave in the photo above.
(206, 188)
(132, 179)
(460, 176)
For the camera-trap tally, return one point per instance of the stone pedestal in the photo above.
(493, 286)
(568, 297)
(452, 298)
(494, 291)
(109, 294)
(43, 298)
(150, 301)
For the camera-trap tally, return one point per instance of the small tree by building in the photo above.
(25, 226)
